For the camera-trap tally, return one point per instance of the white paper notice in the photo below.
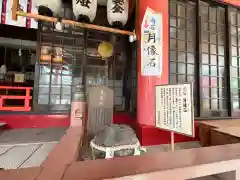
(174, 108)
(151, 44)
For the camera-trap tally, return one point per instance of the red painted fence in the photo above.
(26, 98)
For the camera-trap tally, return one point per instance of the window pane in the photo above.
(213, 38)
(222, 92)
(55, 99)
(181, 10)
(213, 14)
(67, 80)
(234, 72)
(43, 99)
(173, 67)
(190, 68)
(221, 39)
(65, 99)
(44, 69)
(206, 104)
(221, 60)
(181, 57)
(190, 79)
(181, 78)
(181, 34)
(173, 79)
(214, 82)
(182, 51)
(205, 92)
(214, 93)
(66, 90)
(234, 51)
(173, 56)
(56, 79)
(173, 22)
(43, 89)
(234, 40)
(234, 83)
(205, 47)
(205, 70)
(221, 71)
(190, 58)
(213, 60)
(181, 68)
(214, 104)
(205, 81)
(205, 59)
(44, 79)
(55, 89)
(213, 51)
(235, 104)
(235, 93)
(173, 8)
(214, 71)
(173, 44)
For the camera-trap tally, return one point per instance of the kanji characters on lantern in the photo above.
(117, 12)
(84, 10)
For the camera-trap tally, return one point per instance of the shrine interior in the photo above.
(55, 82)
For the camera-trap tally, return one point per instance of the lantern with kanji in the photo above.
(85, 10)
(117, 12)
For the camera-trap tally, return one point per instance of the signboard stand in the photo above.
(174, 109)
(172, 141)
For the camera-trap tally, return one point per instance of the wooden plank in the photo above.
(74, 23)
(221, 123)
(14, 9)
(184, 164)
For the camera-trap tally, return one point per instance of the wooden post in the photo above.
(15, 9)
(172, 141)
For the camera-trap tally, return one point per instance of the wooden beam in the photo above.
(15, 5)
(74, 23)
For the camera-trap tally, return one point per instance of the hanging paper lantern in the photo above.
(49, 8)
(117, 12)
(105, 49)
(85, 10)
(66, 12)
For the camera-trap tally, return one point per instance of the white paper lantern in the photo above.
(117, 12)
(85, 9)
(48, 7)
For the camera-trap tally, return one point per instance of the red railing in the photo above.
(26, 98)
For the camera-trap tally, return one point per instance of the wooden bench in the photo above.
(225, 135)
(205, 127)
